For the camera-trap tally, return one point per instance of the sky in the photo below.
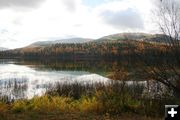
(23, 22)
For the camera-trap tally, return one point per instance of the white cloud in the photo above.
(59, 19)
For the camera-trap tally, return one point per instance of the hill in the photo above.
(112, 46)
(120, 37)
(158, 38)
(62, 41)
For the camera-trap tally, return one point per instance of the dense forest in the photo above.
(91, 50)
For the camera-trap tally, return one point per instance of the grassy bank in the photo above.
(98, 101)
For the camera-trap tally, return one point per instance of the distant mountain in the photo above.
(106, 46)
(121, 37)
(124, 36)
(160, 38)
(3, 49)
(62, 41)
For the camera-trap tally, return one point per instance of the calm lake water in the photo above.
(28, 78)
(21, 79)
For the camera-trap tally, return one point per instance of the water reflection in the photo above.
(26, 79)
(20, 81)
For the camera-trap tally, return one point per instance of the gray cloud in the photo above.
(123, 19)
(20, 3)
(70, 4)
(3, 31)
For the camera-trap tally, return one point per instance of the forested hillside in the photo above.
(112, 46)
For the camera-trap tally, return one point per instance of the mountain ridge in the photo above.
(61, 41)
(158, 38)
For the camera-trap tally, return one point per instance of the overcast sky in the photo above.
(25, 21)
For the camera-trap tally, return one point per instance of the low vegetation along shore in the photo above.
(91, 101)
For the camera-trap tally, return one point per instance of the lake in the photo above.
(21, 79)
